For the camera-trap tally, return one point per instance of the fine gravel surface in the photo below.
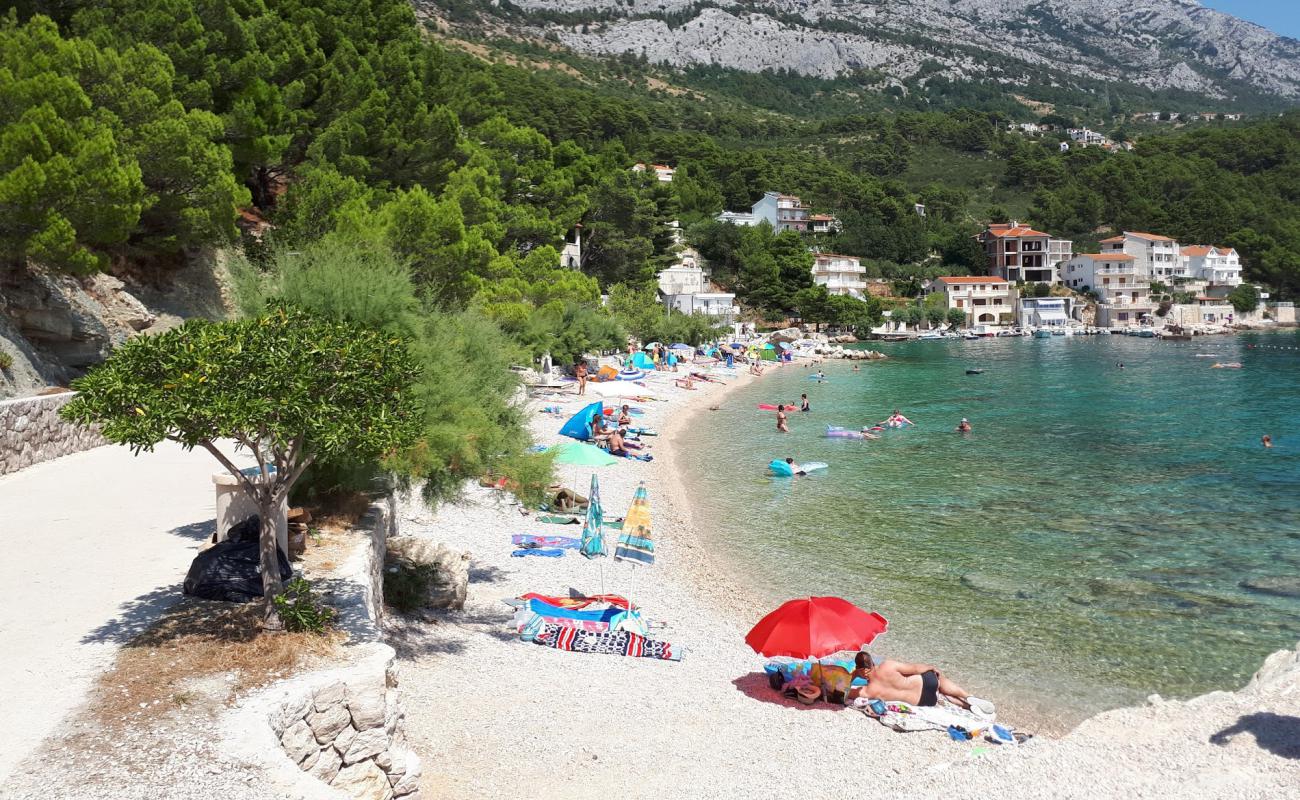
(493, 716)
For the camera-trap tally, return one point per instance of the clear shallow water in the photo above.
(1082, 548)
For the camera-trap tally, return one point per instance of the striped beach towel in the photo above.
(616, 643)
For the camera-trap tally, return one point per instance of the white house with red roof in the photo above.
(1158, 257)
(663, 172)
(1123, 288)
(1017, 252)
(985, 299)
(1218, 266)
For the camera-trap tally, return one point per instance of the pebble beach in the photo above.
(498, 717)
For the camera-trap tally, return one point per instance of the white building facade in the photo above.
(1217, 266)
(685, 287)
(840, 274)
(986, 300)
(784, 212)
(1155, 256)
(1123, 287)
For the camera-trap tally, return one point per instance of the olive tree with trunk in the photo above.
(287, 386)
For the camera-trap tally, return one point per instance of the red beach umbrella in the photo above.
(812, 627)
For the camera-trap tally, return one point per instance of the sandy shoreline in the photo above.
(497, 717)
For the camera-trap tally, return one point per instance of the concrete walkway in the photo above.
(96, 544)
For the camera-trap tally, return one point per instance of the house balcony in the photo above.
(843, 284)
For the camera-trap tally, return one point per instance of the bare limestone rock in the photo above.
(327, 724)
(364, 781)
(367, 706)
(330, 695)
(344, 740)
(452, 585)
(410, 780)
(365, 745)
(327, 765)
(298, 742)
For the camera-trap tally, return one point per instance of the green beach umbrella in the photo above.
(582, 454)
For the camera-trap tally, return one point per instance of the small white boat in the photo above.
(930, 336)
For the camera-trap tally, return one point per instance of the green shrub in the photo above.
(528, 475)
(301, 610)
(406, 584)
(6, 359)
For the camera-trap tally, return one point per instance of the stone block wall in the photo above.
(31, 431)
(346, 728)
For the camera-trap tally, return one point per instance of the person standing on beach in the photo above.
(580, 372)
(781, 422)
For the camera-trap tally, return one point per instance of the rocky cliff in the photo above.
(53, 327)
(1161, 44)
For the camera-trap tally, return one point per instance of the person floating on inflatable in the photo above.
(867, 432)
(897, 420)
(795, 468)
(963, 426)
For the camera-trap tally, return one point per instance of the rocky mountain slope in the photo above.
(1159, 44)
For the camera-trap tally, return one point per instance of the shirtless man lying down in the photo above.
(918, 684)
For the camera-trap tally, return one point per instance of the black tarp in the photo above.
(230, 569)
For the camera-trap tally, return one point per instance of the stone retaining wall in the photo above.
(343, 729)
(31, 431)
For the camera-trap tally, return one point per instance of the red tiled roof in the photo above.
(1196, 249)
(836, 255)
(959, 279)
(1154, 237)
(1225, 251)
(821, 217)
(1006, 231)
(1107, 256)
(1113, 240)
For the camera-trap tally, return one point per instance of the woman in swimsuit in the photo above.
(803, 403)
(781, 424)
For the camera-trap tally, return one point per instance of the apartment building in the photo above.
(1123, 287)
(840, 274)
(1019, 253)
(985, 299)
(784, 212)
(1217, 266)
(1156, 256)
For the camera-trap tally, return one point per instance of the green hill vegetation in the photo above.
(137, 132)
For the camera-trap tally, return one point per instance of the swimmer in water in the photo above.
(1266, 440)
(963, 426)
(781, 423)
(803, 403)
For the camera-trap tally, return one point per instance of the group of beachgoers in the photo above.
(614, 438)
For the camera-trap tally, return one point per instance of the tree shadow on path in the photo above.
(1278, 734)
(134, 617)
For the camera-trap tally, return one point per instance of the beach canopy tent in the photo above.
(768, 346)
(680, 346)
(582, 455)
(813, 627)
(579, 425)
(641, 361)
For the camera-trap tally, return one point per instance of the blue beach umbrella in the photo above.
(593, 535)
(680, 346)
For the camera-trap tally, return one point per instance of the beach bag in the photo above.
(835, 682)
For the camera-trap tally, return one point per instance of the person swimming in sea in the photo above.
(782, 423)
(803, 403)
(897, 420)
(794, 468)
(964, 426)
(1266, 440)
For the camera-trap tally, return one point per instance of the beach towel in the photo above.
(577, 602)
(538, 551)
(615, 643)
(906, 718)
(530, 540)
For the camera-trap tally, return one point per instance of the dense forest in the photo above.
(414, 185)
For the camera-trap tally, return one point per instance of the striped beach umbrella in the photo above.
(635, 544)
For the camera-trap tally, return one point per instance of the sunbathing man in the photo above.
(616, 447)
(917, 684)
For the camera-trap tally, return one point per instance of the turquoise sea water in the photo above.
(1081, 549)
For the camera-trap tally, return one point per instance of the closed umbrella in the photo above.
(812, 627)
(593, 534)
(634, 544)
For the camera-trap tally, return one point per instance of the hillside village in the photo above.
(1137, 282)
